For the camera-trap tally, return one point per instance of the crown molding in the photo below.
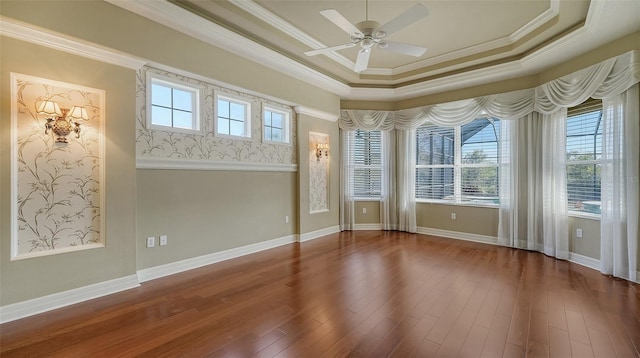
(30, 33)
(316, 113)
(181, 20)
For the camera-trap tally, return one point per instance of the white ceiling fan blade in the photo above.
(413, 14)
(362, 62)
(329, 49)
(337, 18)
(405, 49)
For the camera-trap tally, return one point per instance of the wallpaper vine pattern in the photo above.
(206, 146)
(318, 175)
(59, 188)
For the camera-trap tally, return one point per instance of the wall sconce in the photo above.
(322, 149)
(62, 121)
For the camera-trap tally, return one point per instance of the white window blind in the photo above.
(458, 164)
(366, 173)
(584, 157)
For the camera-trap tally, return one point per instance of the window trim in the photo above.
(286, 130)
(353, 167)
(457, 167)
(197, 103)
(247, 120)
(586, 107)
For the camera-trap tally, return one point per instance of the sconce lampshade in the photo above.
(78, 112)
(49, 108)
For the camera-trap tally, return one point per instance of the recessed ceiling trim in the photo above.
(197, 27)
(279, 23)
(316, 113)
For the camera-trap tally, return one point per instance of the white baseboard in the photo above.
(34, 306)
(318, 233)
(195, 262)
(458, 235)
(584, 261)
(367, 227)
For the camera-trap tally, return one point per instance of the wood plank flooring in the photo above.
(353, 294)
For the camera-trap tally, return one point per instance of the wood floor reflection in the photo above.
(366, 293)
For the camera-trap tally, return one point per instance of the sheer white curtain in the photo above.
(347, 204)
(533, 208)
(388, 199)
(555, 215)
(619, 195)
(406, 177)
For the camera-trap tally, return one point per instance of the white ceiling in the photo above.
(468, 41)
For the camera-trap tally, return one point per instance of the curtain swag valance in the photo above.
(603, 80)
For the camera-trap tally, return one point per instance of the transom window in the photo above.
(276, 125)
(233, 117)
(172, 105)
(584, 158)
(366, 165)
(459, 164)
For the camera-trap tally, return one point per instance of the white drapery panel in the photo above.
(406, 180)
(351, 120)
(606, 79)
(555, 214)
(388, 199)
(347, 204)
(619, 194)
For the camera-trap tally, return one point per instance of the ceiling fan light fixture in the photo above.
(367, 43)
(383, 44)
(379, 34)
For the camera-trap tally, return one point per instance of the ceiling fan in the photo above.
(368, 34)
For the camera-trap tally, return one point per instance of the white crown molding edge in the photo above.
(316, 113)
(484, 239)
(199, 164)
(279, 23)
(312, 235)
(179, 19)
(199, 261)
(30, 33)
(46, 303)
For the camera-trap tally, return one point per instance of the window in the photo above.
(460, 164)
(276, 125)
(172, 105)
(366, 172)
(233, 117)
(584, 157)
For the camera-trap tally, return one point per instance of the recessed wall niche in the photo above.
(57, 191)
(318, 173)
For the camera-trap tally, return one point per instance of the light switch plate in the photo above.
(151, 241)
(163, 240)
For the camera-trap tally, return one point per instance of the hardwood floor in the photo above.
(366, 293)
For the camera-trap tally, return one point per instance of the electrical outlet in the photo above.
(286, 219)
(364, 210)
(453, 216)
(579, 233)
(163, 240)
(151, 241)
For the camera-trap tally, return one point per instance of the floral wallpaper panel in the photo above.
(318, 175)
(58, 198)
(153, 143)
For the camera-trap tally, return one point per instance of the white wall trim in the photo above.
(34, 306)
(584, 261)
(318, 233)
(195, 164)
(367, 227)
(331, 117)
(492, 240)
(30, 33)
(199, 261)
